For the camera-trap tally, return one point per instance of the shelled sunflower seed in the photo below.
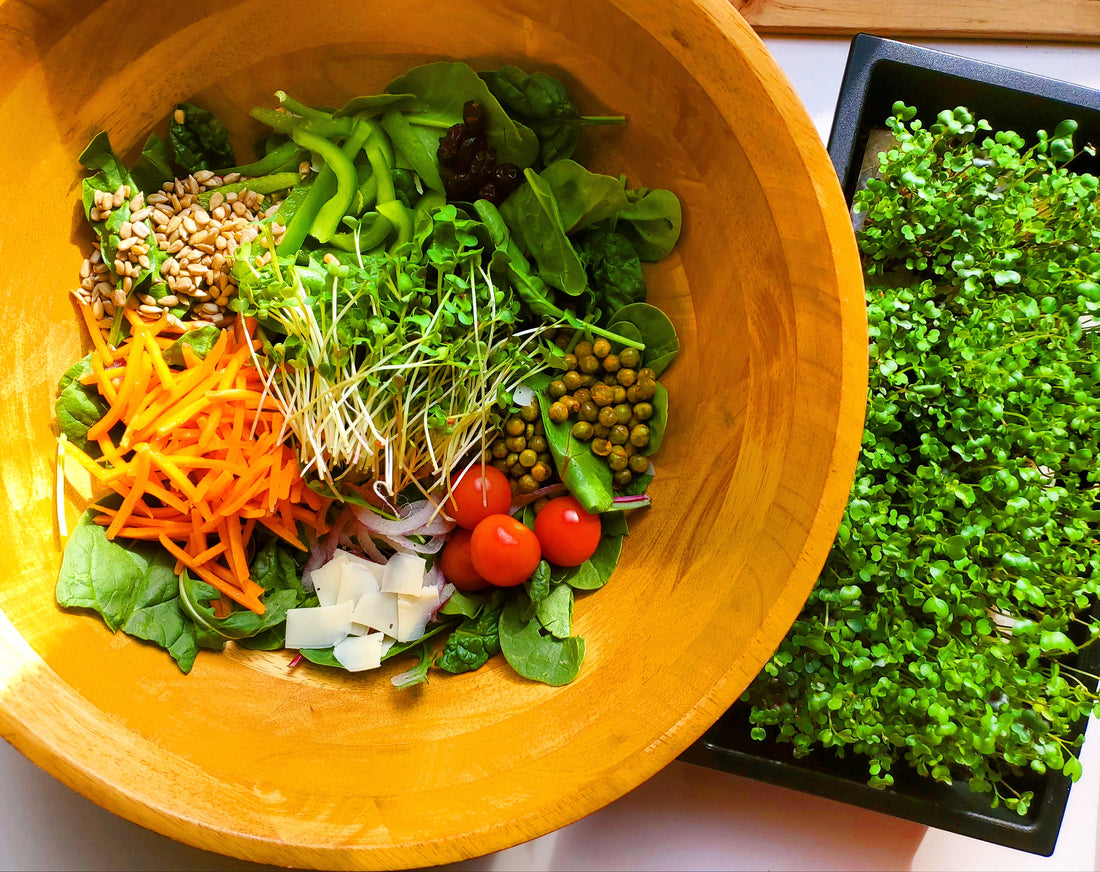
(195, 246)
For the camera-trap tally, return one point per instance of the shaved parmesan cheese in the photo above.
(357, 577)
(377, 610)
(319, 627)
(413, 613)
(357, 653)
(404, 573)
(326, 579)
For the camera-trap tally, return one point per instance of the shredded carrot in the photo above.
(201, 455)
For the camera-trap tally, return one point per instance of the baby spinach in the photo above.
(132, 587)
(652, 222)
(200, 341)
(200, 140)
(654, 328)
(614, 269)
(532, 216)
(555, 611)
(476, 639)
(154, 167)
(538, 585)
(534, 652)
(78, 406)
(583, 197)
(110, 175)
(442, 88)
(543, 103)
(586, 475)
(463, 605)
(596, 571)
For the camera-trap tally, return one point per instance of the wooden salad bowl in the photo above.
(314, 768)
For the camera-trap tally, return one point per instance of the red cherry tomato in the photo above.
(567, 533)
(455, 563)
(478, 494)
(504, 551)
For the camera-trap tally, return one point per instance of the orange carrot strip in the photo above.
(101, 347)
(157, 360)
(276, 527)
(215, 580)
(238, 562)
(175, 475)
(210, 553)
(141, 476)
(121, 399)
(106, 387)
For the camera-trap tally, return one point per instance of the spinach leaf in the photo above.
(555, 611)
(595, 572)
(652, 222)
(614, 269)
(463, 605)
(534, 653)
(442, 88)
(321, 656)
(110, 175)
(418, 146)
(532, 216)
(543, 103)
(655, 330)
(587, 476)
(133, 588)
(200, 341)
(376, 104)
(538, 585)
(153, 168)
(196, 596)
(475, 640)
(79, 406)
(200, 141)
(584, 198)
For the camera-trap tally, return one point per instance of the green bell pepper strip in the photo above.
(332, 191)
(284, 157)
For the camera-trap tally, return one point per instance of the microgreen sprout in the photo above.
(965, 574)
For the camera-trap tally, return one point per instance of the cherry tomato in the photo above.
(455, 563)
(504, 551)
(478, 494)
(567, 533)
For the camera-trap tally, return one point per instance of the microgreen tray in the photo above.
(880, 72)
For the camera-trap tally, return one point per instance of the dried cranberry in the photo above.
(468, 148)
(460, 186)
(473, 116)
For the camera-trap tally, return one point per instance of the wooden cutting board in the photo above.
(1028, 20)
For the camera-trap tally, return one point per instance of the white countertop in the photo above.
(686, 817)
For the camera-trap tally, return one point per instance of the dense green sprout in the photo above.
(943, 630)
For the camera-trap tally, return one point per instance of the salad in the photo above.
(391, 387)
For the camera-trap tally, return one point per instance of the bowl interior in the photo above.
(313, 768)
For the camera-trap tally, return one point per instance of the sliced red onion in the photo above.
(416, 518)
(434, 578)
(444, 595)
(370, 550)
(631, 501)
(409, 546)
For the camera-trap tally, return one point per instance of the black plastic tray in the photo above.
(879, 72)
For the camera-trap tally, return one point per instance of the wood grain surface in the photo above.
(1029, 20)
(315, 768)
